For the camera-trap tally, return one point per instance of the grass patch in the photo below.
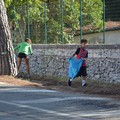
(94, 87)
(59, 83)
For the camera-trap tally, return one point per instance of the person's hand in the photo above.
(70, 57)
(75, 56)
(83, 59)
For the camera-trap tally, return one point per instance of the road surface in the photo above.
(27, 103)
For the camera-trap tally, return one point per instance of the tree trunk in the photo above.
(7, 59)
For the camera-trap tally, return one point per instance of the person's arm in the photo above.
(76, 52)
(30, 50)
(86, 56)
(17, 47)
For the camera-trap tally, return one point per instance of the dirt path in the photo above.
(9, 80)
(94, 87)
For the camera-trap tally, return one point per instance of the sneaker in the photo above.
(28, 76)
(84, 85)
(69, 82)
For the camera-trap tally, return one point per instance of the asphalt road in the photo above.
(25, 103)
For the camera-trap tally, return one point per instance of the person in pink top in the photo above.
(81, 53)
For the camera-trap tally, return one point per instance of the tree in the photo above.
(7, 59)
(92, 17)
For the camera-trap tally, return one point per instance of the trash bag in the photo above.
(74, 67)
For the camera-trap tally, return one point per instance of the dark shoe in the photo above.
(85, 85)
(69, 82)
(28, 77)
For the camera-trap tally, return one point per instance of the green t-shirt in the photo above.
(24, 47)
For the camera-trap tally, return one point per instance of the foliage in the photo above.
(92, 15)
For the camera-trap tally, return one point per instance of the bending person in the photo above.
(24, 49)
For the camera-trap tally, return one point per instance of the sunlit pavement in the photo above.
(25, 103)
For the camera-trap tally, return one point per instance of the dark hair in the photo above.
(27, 39)
(83, 41)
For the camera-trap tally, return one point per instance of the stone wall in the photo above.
(103, 62)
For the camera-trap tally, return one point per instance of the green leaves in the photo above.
(92, 16)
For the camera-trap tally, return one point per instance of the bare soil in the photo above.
(18, 82)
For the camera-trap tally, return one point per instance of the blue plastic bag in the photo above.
(74, 67)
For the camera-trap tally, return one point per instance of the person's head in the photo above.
(28, 40)
(83, 43)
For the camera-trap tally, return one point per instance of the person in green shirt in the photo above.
(24, 49)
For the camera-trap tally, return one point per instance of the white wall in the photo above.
(112, 37)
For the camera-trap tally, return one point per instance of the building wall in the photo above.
(52, 60)
(111, 38)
